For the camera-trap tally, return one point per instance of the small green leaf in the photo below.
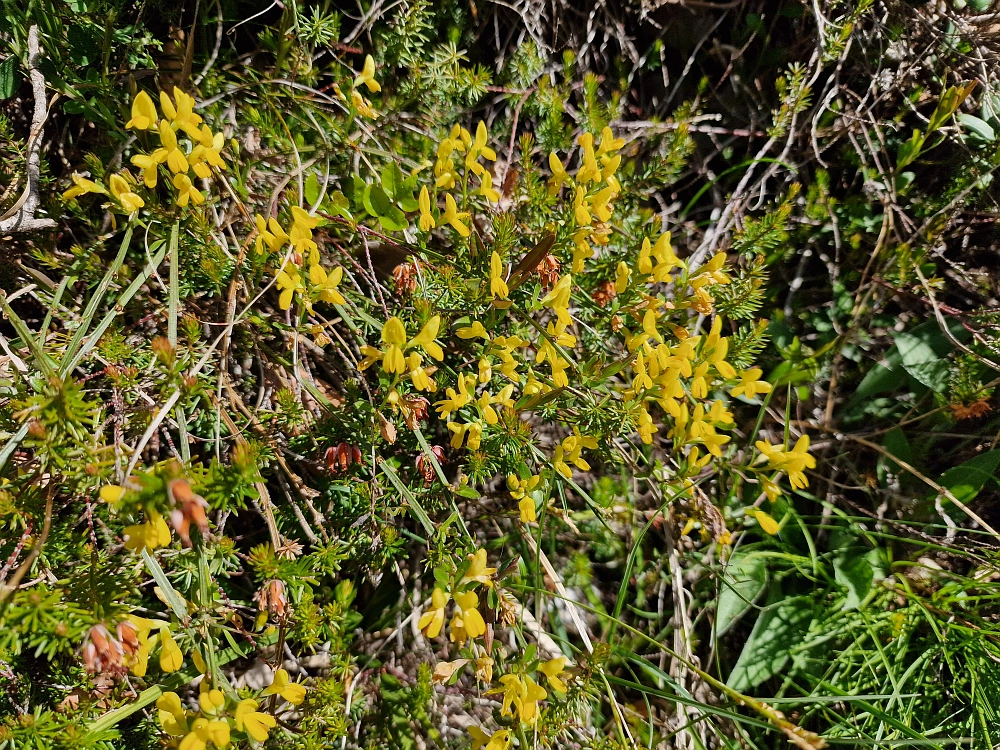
(853, 571)
(922, 363)
(8, 77)
(966, 480)
(311, 189)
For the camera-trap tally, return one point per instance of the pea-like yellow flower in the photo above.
(148, 163)
(325, 284)
(425, 339)
(171, 658)
(143, 113)
(181, 116)
(767, 523)
(208, 153)
(171, 714)
(467, 623)
(471, 434)
(367, 76)
(454, 217)
(394, 335)
(122, 192)
(552, 670)
(426, 218)
(204, 731)
(476, 330)
(82, 186)
(498, 287)
(499, 740)
(150, 535)
(282, 685)
(750, 383)
(432, 620)
(170, 152)
(252, 721)
(478, 570)
(486, 188)
(289, 282)
(559, 174)
(186, 191)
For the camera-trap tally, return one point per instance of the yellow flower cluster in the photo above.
(212, 724)
(322, 286)
(466, 623)
(594, 189)
(365, 78)
(793, 462)
(393, 355)
(205, 150)
(121, 189)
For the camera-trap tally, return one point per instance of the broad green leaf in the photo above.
(853, 571)
(393, 220)
(744, 580)
(921, 362)
(966, 480)
(392, 179)
(377, 202)
(780, 627)
(977, 127)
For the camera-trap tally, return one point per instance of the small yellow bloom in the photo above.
(367, 76)
(82, 186)
(498, 287)
(425, 339)
(182, 116)
(252, 721)
(143, 113)
(432, 620)
(171, 658)
(750, 384)
(281, 685)
(325, 284)
(499, 740)
(454, 217)
(204, 731)
(122, 192)
(150, 535)
(426, 218)
(768, 524)
(476, 330)
(552, 669)
(288, 281)
(467, 622)
(186, 191)
(169, 151)
(478, 571)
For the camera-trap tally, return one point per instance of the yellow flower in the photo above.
(476, 330)
(750, 384)
(622, 275)
(467, 622)
(186, 191)
(499, 740)
(394, 334)
(426, 218)
(768, 524)
(325, 284)
(521, 692)
(208, 152)
(473, 431)
(204, 731)
(171, 714)
(143, 113)
(210, 700)
(182, 116)
(797, 460)
(81, 186)
(486, 188)
(288, 281)
(171, 658)
(771, 489)
(148, 164)
(363, 106)
(249, 719)
(281, 685)
(150, 535)
(425, 339)
(367, 76)
(169, 151)
(498, 287)
(453, 216)
(552, 669)
(122, 192)
(559, 173)
(432, 620)
(590, 171)
(477, 570)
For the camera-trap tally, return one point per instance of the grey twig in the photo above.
(21, 216)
